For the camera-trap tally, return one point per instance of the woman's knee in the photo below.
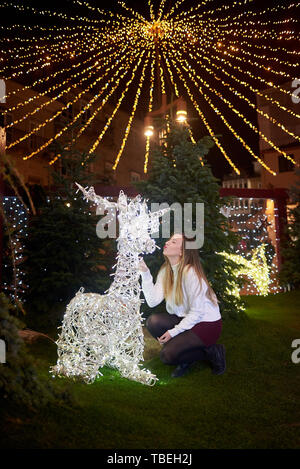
(153, 322)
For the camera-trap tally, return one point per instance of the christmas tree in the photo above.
(180, 173)
(290, 270)
(62, 250)
(20, 382)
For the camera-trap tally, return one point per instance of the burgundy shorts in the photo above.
(209, 332)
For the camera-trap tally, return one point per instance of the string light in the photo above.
(252, 126)
(204, 32)
(175, 7)
(252, 219)
(161, 7)
(97, 66)
(136, 99)
(256, 268)
(214, 137)
(106, 330)
(151, 10)
(150, 105)
(71, 103)
(112, 90)
(254, 90)
(41, 81)
(17, 218)
(237, 136)
(57, 50)
(49, 13)
(263, 57)
(97, 142)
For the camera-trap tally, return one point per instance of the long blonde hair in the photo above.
(190, 258)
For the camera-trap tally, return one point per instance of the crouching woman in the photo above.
(190, 328)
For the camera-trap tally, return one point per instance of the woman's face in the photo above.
(173, 246)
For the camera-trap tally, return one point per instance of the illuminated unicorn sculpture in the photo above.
(101, 330)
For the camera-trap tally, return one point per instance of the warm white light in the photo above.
(181, 116)
(149, 131)
(106, 330)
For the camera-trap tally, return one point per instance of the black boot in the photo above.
(216, 355)
(181, 370)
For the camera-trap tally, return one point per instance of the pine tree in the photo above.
(177, 175)
(20, 382)
(62, 250)
(290, 270)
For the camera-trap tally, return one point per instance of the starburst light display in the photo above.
(215, 54)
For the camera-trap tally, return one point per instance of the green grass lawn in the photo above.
(255, 404)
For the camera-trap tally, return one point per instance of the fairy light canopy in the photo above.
(217, 55)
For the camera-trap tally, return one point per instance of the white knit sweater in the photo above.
(196, 307)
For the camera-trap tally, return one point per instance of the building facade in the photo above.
(286, 115)
(35, 170)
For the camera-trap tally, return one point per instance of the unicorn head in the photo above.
(136, 222)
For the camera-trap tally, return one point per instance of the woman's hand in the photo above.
(164, 338)
(142, 266)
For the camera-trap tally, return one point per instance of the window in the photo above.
(108, 167)
(134, 176)
(162, 135)
(284, 164)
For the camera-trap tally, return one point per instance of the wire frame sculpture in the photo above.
(106, 330)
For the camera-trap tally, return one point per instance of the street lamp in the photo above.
(149, 131)
(181, 116)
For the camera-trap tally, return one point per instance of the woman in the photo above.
(192, 325)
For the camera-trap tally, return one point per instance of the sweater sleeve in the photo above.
(196, 296)
(154, 294)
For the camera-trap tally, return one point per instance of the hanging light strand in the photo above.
(228, 125)
(212, 134)
(136, 100)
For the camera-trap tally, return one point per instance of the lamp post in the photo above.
(181, 114)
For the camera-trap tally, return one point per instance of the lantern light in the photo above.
(149, 131)
(181, 116)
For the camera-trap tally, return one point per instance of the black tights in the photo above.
(185, 347)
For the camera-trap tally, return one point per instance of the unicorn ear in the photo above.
(136, 200)
(93, 197)
(122, 202)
